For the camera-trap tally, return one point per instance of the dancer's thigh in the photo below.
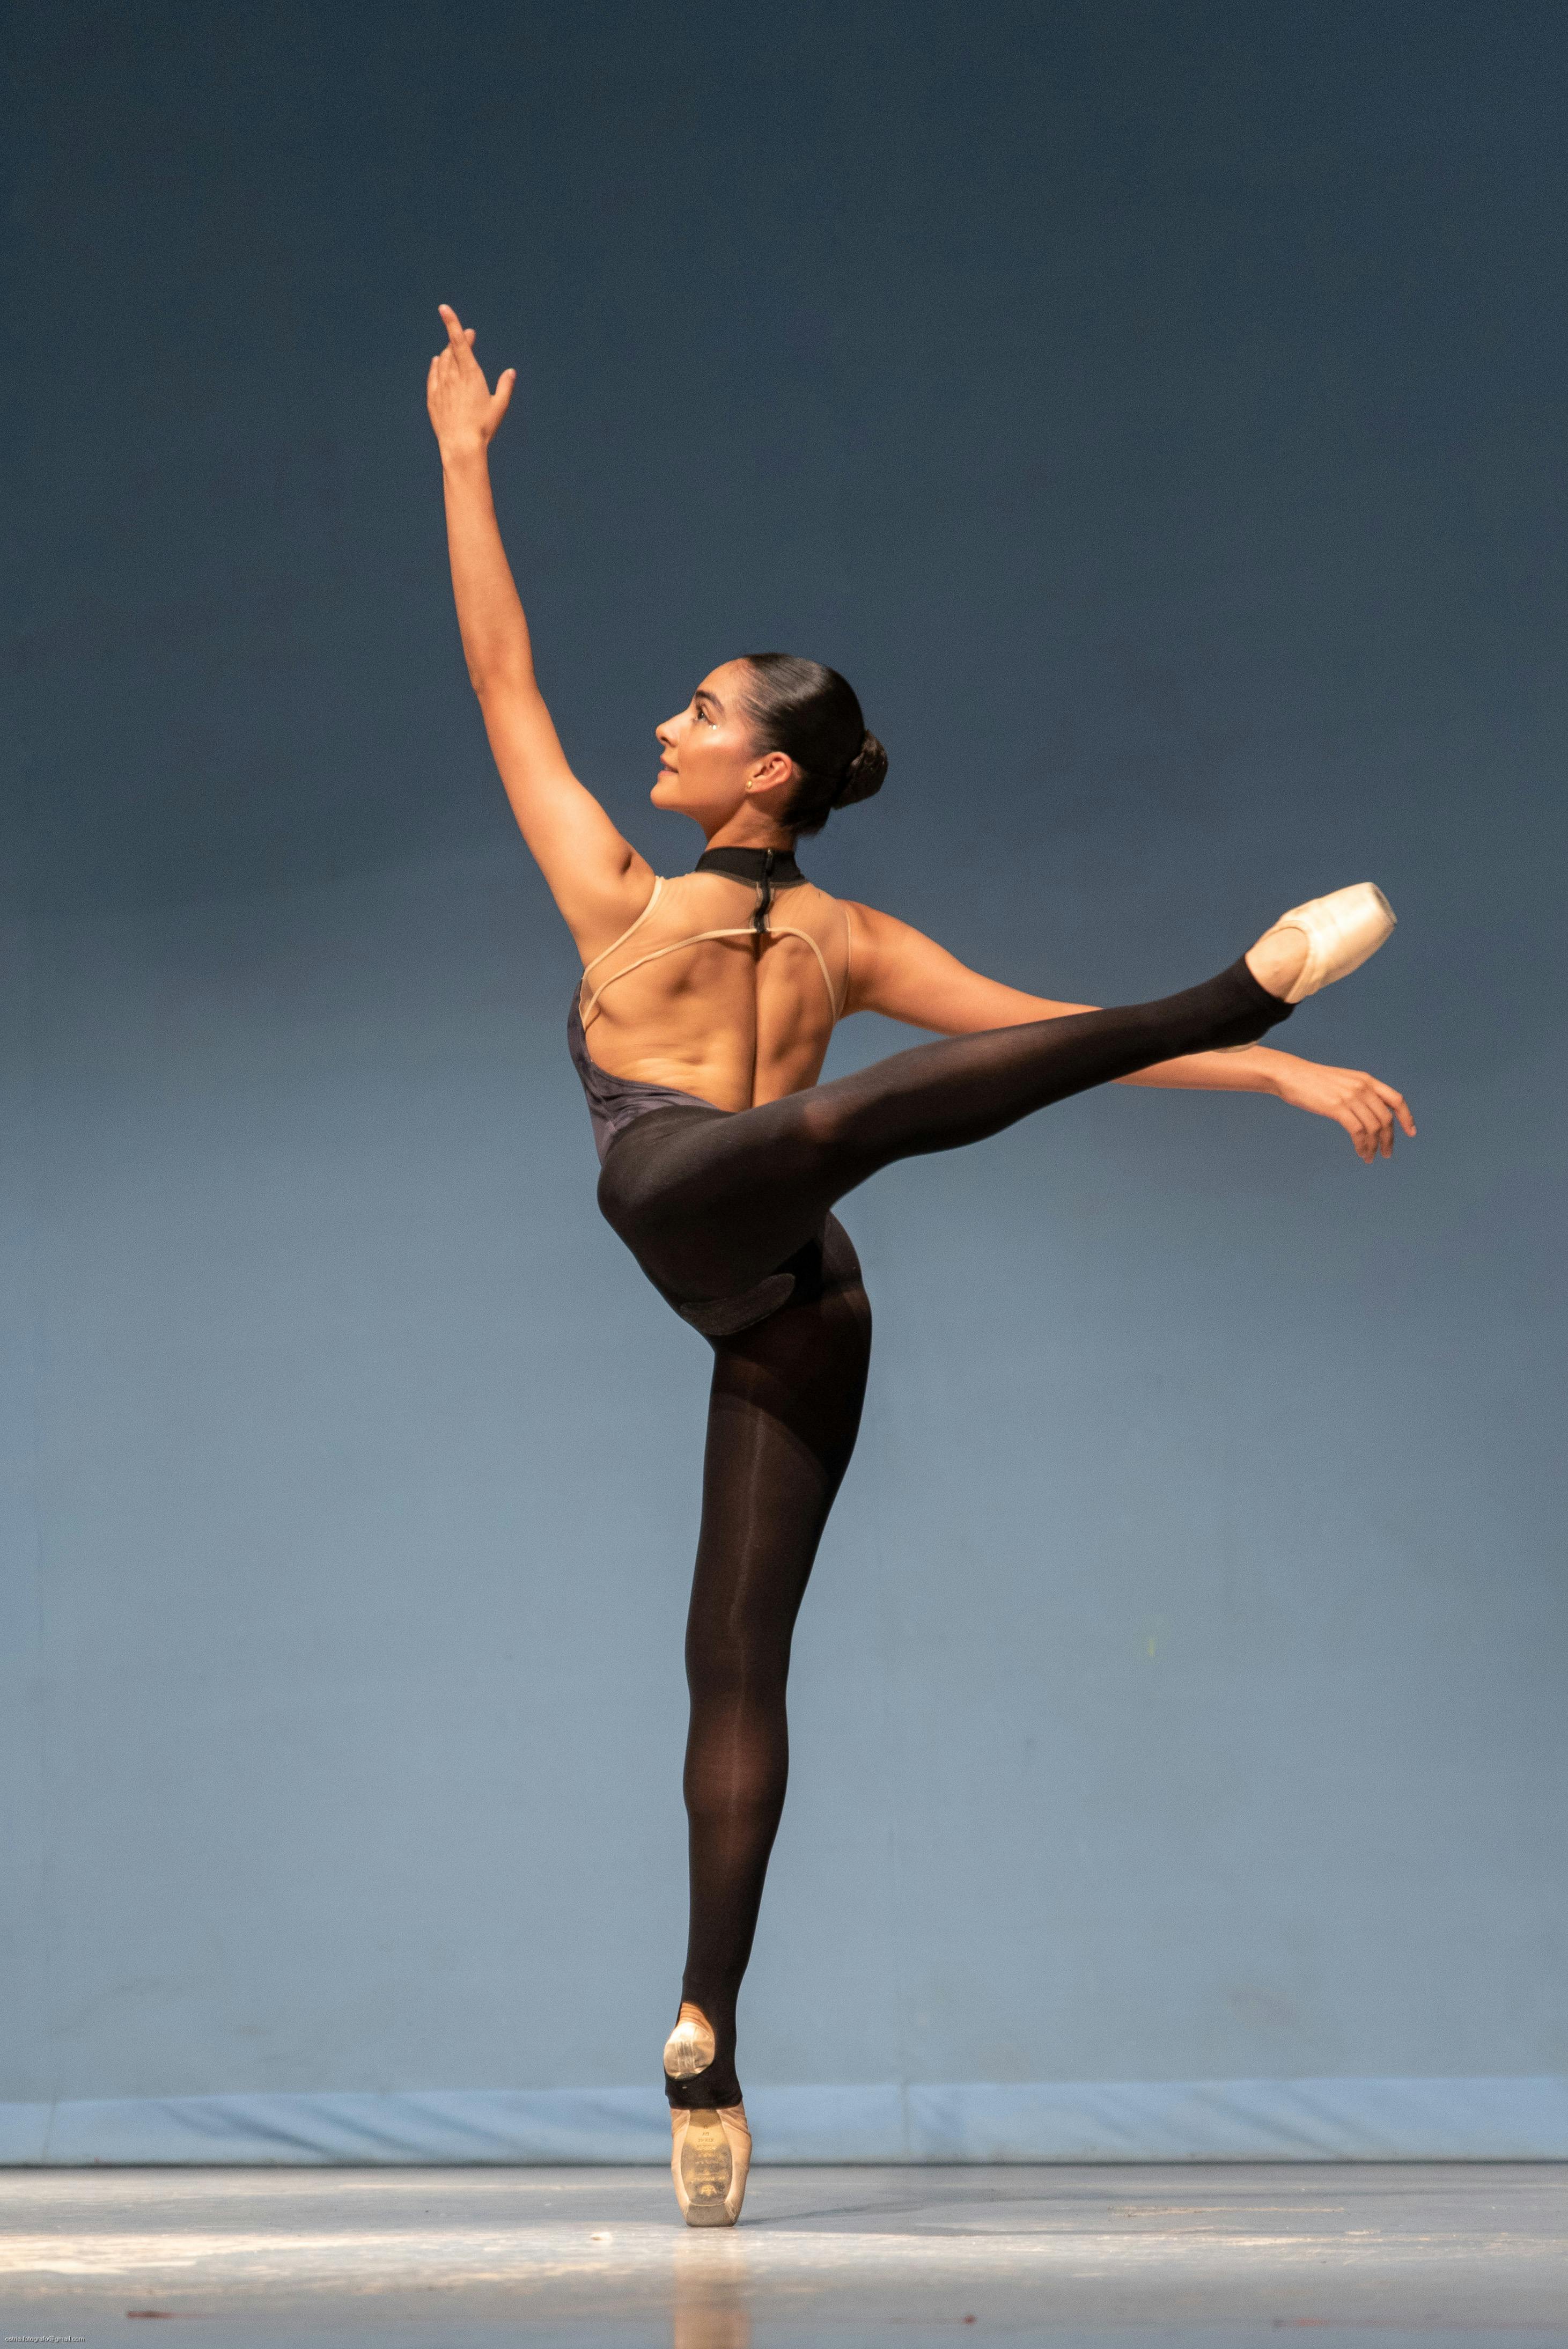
(805, 1367)
(711, 1201)
(783, 1417)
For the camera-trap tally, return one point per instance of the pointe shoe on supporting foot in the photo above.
(1342, 931)
(689, 2049)
(710, 2155)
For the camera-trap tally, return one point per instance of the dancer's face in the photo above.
(710, 769)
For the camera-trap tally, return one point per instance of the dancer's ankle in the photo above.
(699, 2059)
(714, 2090)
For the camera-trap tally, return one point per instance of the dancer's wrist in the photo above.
(1254, 1068)
(469, 455)
(1271, 1066)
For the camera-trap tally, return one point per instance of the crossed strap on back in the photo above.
(756, 927)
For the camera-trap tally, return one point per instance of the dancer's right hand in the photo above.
(1363, 1104)
(464, 411)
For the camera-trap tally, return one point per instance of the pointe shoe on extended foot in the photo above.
(710, 2155)
(1342, 931)
(689, 2049)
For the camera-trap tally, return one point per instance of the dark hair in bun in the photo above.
(812, 714)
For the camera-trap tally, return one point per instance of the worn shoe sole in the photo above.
(710, 2163)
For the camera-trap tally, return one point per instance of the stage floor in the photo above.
(1232, 2254)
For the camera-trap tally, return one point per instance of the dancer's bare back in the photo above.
(740, 1017)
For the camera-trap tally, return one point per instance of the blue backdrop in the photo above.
(1158, 411)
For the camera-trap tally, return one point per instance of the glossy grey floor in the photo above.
(1232, 2254)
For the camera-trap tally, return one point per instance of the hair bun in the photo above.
(865, 774)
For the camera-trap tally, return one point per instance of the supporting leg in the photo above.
(783, 1417)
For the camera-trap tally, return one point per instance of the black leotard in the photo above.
(729, 1213)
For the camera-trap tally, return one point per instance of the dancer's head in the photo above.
(772, 743)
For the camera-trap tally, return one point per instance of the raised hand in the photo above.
(1363, 1105)
(464, 411)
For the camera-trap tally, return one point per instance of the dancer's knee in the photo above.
(830, 1121)
(738, 1679)
(730, 1791)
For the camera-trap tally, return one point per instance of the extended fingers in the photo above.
(1379, 1117)
(1369, 1118)
(1397, 1103)
(1389, 1106)
(1369, 1110)
(1361, 1136)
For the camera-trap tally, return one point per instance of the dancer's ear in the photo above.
(776, 769)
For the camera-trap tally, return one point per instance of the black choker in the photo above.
(766, 868)
(776, 866)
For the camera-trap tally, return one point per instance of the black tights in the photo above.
(718, 1205)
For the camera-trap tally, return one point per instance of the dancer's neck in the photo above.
(775, 864)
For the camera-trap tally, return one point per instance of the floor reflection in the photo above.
(711, 2328)
(710, 2310)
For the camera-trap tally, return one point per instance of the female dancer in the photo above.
(698, 1031)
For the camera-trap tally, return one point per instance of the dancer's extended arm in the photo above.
(596, 877)
(906, 976)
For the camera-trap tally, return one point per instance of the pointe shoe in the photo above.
(689, 2049)
(710, 2154)
(1342, 931)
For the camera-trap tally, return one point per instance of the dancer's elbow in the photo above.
(499, 676)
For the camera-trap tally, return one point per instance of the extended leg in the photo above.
(785, 1408)
(709, 1204)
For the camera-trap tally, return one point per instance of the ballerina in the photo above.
(698, 1030)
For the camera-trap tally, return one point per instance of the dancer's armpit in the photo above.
(899, 972)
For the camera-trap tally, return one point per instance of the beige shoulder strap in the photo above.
(785, 930)
(642, 917)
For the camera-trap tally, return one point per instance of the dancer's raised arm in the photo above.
(596, 877)
(905, 975)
